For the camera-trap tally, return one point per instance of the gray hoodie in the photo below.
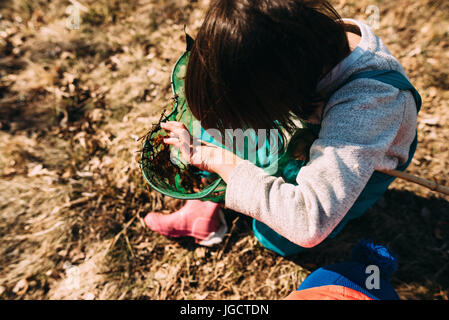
(367, 125)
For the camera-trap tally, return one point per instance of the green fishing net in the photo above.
(167, 172)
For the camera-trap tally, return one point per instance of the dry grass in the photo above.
(74, 102)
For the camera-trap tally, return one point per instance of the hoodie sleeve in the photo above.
(360, 123)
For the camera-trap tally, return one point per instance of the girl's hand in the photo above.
(201, 154)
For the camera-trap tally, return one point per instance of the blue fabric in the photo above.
(274, 241)
(351, 275)
(369, 253)
(375, 188)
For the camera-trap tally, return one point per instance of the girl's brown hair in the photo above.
(254, 63)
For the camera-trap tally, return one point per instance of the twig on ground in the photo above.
(123, 232)
(227, 239)
(432, 185)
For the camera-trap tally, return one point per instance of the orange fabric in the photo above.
(331, 292)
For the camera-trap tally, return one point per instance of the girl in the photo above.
(266, 64)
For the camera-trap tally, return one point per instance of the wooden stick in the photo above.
(432, 185)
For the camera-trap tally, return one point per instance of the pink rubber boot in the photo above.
(202, 220)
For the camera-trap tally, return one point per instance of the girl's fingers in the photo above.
(184, 135)
(181, 136)
(177, 124)
(176, 129)
(172, 141)
(184, 147)
(172, 125)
